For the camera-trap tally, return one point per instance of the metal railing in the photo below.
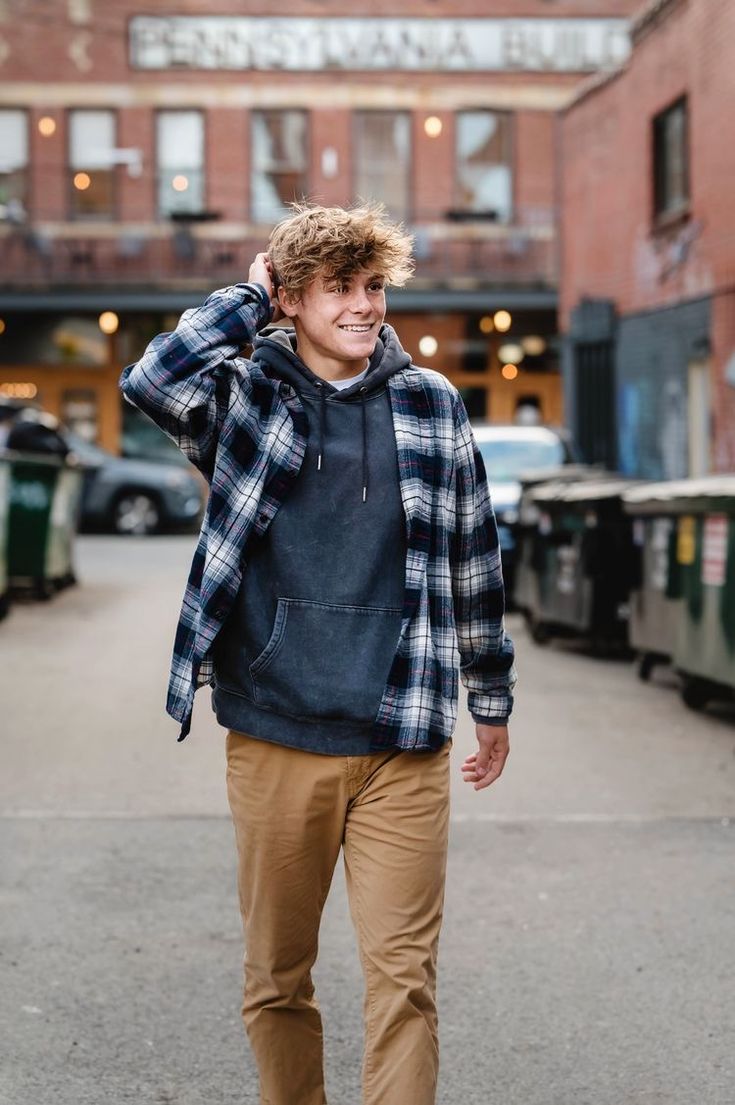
(32, 257)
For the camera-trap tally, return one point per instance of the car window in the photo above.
(506, 458)
(85, 450)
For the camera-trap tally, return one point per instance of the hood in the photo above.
(275, 353)
(506, 494)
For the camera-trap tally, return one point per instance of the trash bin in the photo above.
(702, 582)
(525, 595)
(42, 520)
(4, 510)
(655, 598)
(584, 561)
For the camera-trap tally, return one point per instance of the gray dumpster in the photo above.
(655, 598)
(526, 585)
(584, 562)
(701, 580)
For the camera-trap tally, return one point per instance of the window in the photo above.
(671, 160)
(383, 159)
(13, 165)
(180, 162)
(279, 161)
(484, 172)
(91, 163)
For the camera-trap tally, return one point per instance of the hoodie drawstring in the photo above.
(322, 433)
(322, 424)
(363, 390)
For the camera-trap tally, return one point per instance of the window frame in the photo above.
(160, 111)
(308, 169)
(663, 216)
(408, 215)
(81, 217)
(467, 214)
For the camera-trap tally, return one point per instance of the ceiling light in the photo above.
(511, 352)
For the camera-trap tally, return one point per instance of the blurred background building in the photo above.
(647, 288)
(144, 159)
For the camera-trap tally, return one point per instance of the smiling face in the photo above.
(337, 322)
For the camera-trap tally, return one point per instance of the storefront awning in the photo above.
(410, 299)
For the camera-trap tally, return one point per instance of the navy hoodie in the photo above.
(305, 653)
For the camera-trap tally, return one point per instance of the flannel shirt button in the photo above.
(286, 391)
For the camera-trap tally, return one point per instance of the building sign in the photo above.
(316, 44)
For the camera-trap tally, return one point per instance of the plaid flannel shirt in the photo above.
(246, 432)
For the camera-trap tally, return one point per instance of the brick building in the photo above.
(647, 288)
(146, 157)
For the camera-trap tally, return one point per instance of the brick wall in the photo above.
(610, 248)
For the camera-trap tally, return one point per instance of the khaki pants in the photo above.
(292, 812)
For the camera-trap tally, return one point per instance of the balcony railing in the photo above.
(183, 256)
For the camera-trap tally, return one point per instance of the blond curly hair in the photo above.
(337, 242)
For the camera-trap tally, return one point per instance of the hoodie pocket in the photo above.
(326, 661)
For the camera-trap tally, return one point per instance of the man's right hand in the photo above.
(261, 272)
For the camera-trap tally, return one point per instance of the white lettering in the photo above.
(415, 44)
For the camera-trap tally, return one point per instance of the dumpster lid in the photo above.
(585, 490)
(563, 473)
(700, 494)
(596, 490)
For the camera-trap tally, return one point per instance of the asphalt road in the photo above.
(588, 951)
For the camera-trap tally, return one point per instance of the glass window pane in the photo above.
(180, 157)
(91, 167)
(383, 159)
(13, 164)
(484, 173)
(180, 140)
(13, 141)
(91, 138)
(671, 169)
(279, 161)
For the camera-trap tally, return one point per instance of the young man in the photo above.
(347, 560)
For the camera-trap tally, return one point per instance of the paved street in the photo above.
(588, 953)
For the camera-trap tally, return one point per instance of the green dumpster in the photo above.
(702, 582)
(42, 520)
(584, 562)
(4, 510)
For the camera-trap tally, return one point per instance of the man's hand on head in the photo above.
(261, 272)
(486, 765)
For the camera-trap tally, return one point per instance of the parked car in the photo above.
(122, 495)
(136, 496)
(509, 450)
